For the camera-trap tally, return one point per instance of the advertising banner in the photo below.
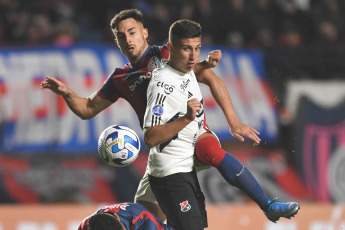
(320, 149)
(38, 121)
(61, 178)
(220, 217)
(274, 174)
(67, 179)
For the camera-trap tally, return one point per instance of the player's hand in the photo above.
(193, 106)
(213, 58)
(55, 85)
(240, 130)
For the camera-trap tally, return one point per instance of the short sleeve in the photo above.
(109, 90)
(155, 105)
(162, 102)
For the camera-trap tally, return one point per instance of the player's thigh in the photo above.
(208, 150)
(199, 165)
(145, 196)
(206, 133)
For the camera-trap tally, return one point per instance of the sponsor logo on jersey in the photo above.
(122, 206)
(185, 206)
(157, 110)
(189, 94)
(184, 85)
(140, 80)
(168, 89)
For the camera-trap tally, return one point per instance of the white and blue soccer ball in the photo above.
(118, 145)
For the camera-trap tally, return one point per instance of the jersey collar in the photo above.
(138, 64)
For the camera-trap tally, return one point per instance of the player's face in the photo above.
(131, 38)
(185, 53)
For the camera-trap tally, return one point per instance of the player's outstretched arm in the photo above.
(158, 134)
(85, 108)
(222, 97)
(213, 58)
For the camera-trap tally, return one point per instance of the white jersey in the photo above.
(167, 96)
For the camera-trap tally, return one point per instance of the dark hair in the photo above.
(184, 29)
(125, 14)
(103, 221)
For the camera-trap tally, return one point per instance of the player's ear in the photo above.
(116, 217)
(169, 45)
(146, 32)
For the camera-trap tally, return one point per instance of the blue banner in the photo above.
(320, 149)
(34, 120)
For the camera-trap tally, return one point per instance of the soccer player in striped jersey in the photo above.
(123, 216)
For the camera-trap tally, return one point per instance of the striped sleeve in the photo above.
(157, 109)
(156, 105)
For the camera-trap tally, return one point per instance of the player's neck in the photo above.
(134, 61)
(176, 67)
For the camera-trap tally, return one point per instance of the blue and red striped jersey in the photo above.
(133, 216)
(130, 82)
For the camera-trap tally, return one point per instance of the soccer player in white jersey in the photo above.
(131, 37)
(173, 120)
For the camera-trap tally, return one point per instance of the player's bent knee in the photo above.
(209, 152)
(153, 208)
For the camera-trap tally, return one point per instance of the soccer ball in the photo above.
(118, 145)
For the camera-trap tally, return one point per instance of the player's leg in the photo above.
(179, 196)
(145, 196)
(209, 151)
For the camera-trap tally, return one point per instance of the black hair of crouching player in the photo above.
(104, 221)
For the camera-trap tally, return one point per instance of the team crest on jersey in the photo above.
(153, 63)
(157, 110)
(185, 206)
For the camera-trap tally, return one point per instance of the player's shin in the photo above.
(209, 151)
(238, 175)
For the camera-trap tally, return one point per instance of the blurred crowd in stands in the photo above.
(301, 39)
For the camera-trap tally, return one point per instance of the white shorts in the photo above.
(144, 192)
